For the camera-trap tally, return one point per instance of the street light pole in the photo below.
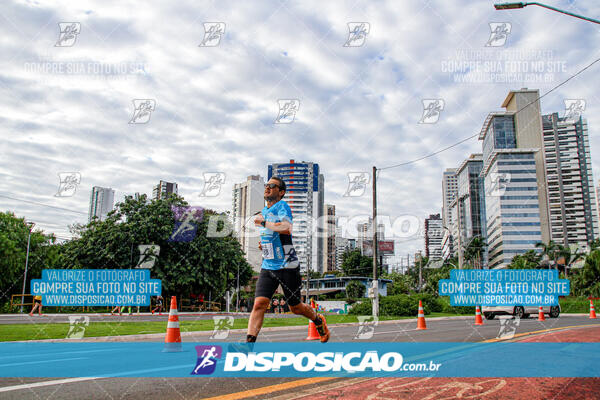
(512, 6)
(237, 295)
(375, 245)
(30, 225)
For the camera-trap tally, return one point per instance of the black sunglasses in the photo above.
(272, 186)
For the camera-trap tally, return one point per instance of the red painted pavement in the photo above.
(479, 388)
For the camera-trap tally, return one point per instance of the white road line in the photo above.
(43, 361)
(45, 383)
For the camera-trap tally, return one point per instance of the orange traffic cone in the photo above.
(421, 317)
(592, 310)
(541, 316)
(312, 331)
(478, 319)
(312, 328)
(173, 338)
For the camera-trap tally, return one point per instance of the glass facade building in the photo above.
(305, 196)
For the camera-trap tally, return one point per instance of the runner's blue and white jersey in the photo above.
(277, 248)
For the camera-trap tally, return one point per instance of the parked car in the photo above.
(519, 311)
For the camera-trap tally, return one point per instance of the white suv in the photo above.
(519, 311)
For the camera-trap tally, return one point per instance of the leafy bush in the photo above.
(400, 305)
(575, 304)
(355, 289)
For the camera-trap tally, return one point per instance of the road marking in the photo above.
(45, 383)
(321, 388)
(540, 331)
(269, 389)
(42, 361)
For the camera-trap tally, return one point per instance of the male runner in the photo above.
(280, 264)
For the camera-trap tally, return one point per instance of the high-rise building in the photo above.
(449, 194)
(365, 236)
(598, 198)
(434, 233)
(248, 199)
(164, 189)
(449, 191)
(516, 206)
(570, 185)
(471, 198)
(305, 196)
(329, 233)
(101, 202)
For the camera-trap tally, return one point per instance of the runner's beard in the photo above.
(271, 198)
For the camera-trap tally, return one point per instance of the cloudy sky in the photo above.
(67, 102)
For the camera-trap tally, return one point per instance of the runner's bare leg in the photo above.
(261, 304)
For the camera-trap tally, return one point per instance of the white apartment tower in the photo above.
(101, 202)
(247, 200)
(570, 185)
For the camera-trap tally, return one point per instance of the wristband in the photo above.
(263, 223)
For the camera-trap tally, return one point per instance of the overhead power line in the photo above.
(477, 134)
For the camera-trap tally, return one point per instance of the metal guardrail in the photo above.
(20, 296)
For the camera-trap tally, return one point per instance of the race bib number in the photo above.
(267, 250)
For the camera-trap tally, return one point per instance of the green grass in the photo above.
(35, 331)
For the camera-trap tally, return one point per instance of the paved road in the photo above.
(456, 330)
(106, 317)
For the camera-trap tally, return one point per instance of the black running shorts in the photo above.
(289, 279)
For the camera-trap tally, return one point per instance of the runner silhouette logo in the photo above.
(207, 359)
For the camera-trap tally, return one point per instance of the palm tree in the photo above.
(549, 250)
(474, 250)
(570, 257)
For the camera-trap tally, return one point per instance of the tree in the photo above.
(474, 251)
(355, 264)
(569, 257)
(355, 289)
(401, 284)
(528, 260)
(550, 251)
(587, 281)
(207, 265)
(43, 253)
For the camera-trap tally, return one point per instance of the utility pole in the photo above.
(30, 225)
(420, 271)
(374, 227)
